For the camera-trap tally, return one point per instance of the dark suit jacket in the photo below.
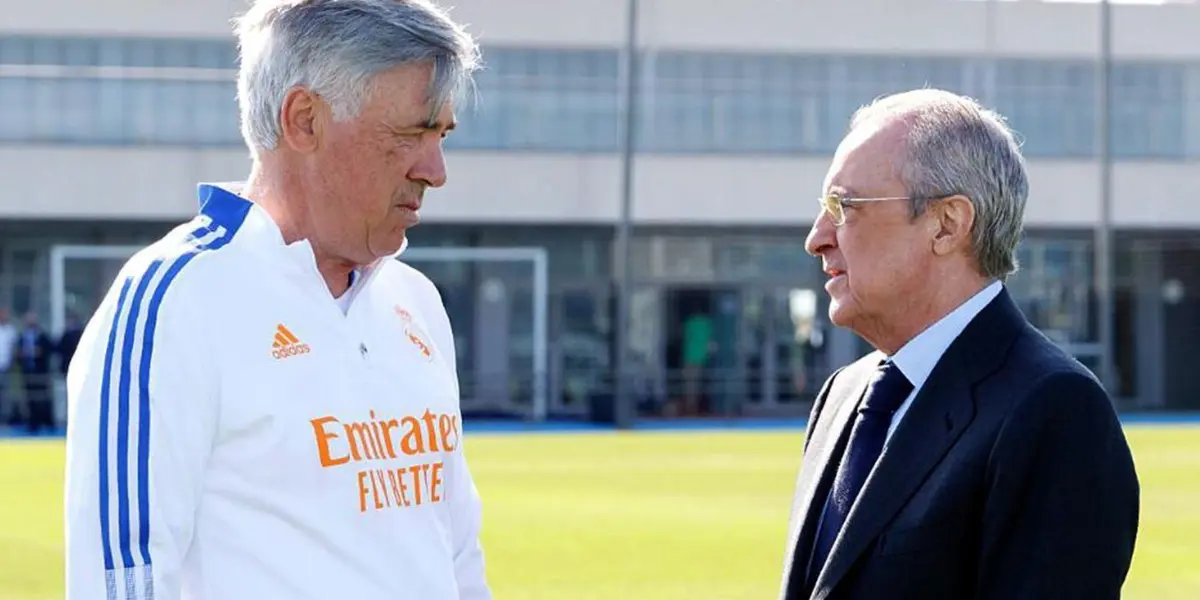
(1008, 478)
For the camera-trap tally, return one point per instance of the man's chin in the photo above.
(389, 247)
(840, 314)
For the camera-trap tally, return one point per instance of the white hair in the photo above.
(336, 48)
(955, 146)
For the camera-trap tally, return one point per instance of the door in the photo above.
(1180, 295)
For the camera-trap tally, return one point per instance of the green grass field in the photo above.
(660, 516)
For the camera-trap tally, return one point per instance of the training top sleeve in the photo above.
(142, 415)
(465, 504)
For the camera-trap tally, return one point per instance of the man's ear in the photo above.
(298, 119)
(954, 218)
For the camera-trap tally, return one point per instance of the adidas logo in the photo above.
(287, 344)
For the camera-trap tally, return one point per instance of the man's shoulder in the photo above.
(190, 262)
(1039, 379)
(1034, 358)
(406, 280)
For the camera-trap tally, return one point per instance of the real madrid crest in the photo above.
(414, 334)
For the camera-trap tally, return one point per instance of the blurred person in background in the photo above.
(265, 405)
(33, 354)
(968, 456)
(68, 342)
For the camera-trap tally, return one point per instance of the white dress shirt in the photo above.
(920, 355)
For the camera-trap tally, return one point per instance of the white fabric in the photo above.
(328, 466)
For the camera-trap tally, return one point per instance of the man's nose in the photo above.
(431, 168)
(821, 236)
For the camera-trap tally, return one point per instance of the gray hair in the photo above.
(336, 48)
(953, 145)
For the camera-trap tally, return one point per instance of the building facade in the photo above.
(110, 113)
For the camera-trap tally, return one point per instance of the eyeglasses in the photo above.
(835, 205)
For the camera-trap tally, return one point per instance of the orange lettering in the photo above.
(383, 486)
(323, 438)
(377, 438)
(429, 418)
(375, 492)
(416, 473)
(412, 443)
(387, 436)
(364, 438)
(403, 486)
(391, 475)
(444, 427)
(436, 482)
(362, 492)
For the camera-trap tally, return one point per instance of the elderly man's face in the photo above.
(878, 260)
(375, 168)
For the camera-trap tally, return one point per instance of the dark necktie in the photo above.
(885, 393)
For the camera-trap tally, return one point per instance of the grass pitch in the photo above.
(663, 516)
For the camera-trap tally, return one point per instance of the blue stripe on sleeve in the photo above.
(227, 216)
(123, 416)
(105, 385)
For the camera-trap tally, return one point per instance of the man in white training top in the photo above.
(265, 405)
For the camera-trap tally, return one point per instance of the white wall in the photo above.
(107, 183)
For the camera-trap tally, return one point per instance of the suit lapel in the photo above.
(827, 438)
(936, 419)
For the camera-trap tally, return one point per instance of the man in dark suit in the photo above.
(968, 457)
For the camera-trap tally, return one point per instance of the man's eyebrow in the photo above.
(429, 125)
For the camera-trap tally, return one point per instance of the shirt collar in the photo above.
(920, 355)
(222, 202)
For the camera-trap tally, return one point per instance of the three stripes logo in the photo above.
(287, 344)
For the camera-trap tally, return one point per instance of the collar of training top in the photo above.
(221, 204)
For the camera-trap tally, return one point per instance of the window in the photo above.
(709, 102)
(543, 100)
(858, 80)
(182, 91)
(1051, 104)
(1054, 288)
(1147, 110)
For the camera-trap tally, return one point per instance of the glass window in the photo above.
(80, 52)
(1050, 104)
(14, 50)
(46, 51)
(77, 108)
(215, 118)
(140, 53)
(112, 110)
(1054, 288)
(14, 118)
(543, 100)
(582, 344)
(569, 99)
(1147, 110)
(111, 52)
(173, 53)
(173, 112)
(44, 100)
(734, 103)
